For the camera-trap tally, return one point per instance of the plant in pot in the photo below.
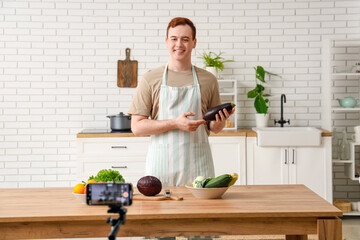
(214, 62)
(261, 101)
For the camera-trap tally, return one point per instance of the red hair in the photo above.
(181, 21)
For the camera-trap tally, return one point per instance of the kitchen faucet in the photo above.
(282, 121)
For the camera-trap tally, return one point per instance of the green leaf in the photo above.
(266, 95)
(273, 74)
(260, 73)
(253, 93)
(260, 88)
(260, 105)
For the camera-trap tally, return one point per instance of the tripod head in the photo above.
(116, 222)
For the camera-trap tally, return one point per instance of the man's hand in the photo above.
(142, 126)
(185, 124)
(220, 120)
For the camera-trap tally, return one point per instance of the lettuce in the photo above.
(108, 175)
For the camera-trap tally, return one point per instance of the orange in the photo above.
(79, 188)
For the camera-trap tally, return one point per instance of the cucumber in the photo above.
(220, 181)
(211, 112)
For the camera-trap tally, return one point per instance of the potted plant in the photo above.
(261, 101)
(214, 62)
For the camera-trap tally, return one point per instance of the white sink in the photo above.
(288, 136)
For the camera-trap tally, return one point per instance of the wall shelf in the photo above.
(350, 171)
(341, 161)
(228, 93)
(341, 109)
(353, 213)
(341, 55)
(345, 74)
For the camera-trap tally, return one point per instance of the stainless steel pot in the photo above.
(120, 122)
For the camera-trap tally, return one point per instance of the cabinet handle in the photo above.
(285, 156)
(118, 166)
(293, 160)
(118, 146)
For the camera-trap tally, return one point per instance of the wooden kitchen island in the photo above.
(291, 210)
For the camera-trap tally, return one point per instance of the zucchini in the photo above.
(205, 181)
(220, 181)
(211, 112)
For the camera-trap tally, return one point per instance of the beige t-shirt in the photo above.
(146, 99)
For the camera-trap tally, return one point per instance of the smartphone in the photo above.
(109, 194)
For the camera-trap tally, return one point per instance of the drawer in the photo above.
(116, 148)
(110, 158)
(125, 169)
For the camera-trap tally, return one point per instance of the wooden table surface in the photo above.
(293, 210)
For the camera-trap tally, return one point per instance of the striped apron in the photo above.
(177, 157)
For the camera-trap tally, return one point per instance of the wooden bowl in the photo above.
(206, 193)
(81, 197)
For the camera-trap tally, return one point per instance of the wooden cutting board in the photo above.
(127, 71)
(156, 198)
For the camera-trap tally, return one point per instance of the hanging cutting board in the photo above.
(127, 71)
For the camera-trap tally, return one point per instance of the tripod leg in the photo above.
(115, 227)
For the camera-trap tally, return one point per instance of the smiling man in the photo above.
(169, 105)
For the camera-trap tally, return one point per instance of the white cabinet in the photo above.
(310, 166)
(125, 154)
(128, 156)
(229, 154)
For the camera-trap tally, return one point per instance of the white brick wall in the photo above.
(58, 68)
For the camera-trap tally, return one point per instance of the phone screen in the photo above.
(109, 194)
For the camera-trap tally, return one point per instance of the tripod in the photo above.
(116, 222)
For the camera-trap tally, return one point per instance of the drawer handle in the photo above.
(118, 166)
(118, 146)
(293, 160)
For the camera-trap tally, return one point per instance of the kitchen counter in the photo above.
(292, 210)
(246, 132)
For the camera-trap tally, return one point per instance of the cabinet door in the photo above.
(229, 156)
(309, 166)
(266, 165)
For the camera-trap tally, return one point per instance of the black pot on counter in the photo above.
(120, 122)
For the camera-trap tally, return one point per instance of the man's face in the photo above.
(180, 43)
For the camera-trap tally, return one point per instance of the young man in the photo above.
(175, 97)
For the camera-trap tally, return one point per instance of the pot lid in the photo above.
(121, 114)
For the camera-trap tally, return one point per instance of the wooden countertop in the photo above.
(59, 204)
(246, 132)
(291, 210)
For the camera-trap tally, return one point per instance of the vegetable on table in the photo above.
(197, 181)
(149, 185)
(220, 181)
(224, 180)
(108, 175)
